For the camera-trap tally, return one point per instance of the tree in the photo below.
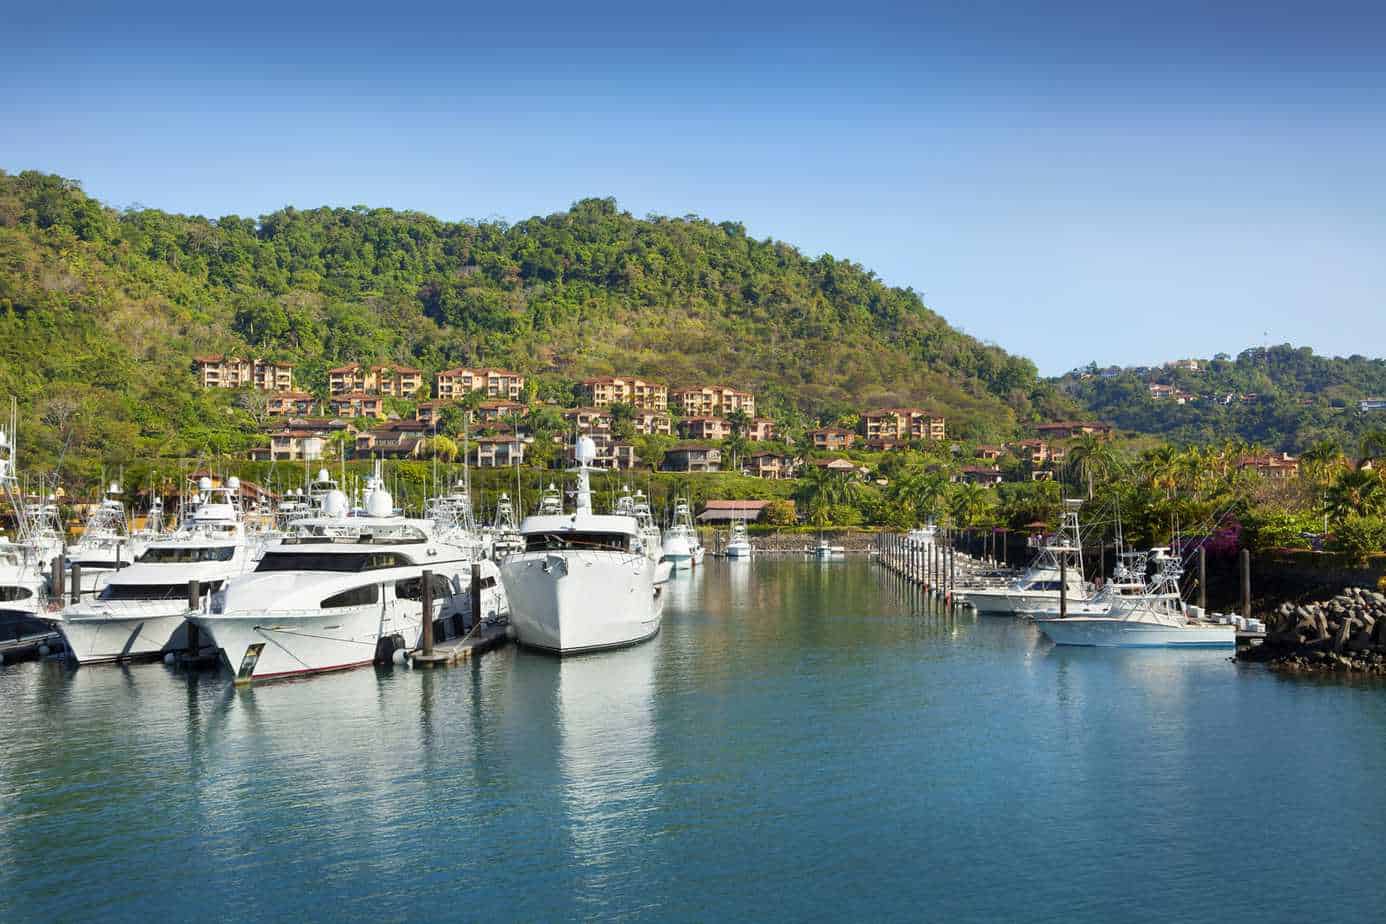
(969, 503)
(1356, 492)
(441, 448)
(821, 489)
(622, 422)
(1091, 457)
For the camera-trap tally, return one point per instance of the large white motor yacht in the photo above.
(343, 591)
(1155, 619)
(584, 581)
(140, 611)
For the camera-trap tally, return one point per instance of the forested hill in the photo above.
(101, 312)
(1281, 397)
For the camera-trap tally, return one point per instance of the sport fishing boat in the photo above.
(1128, 579)
(585, 581)
(1059, 564)
(681, 548)
(739, 541)
(140, 612)
(343, 591)
(505, 534)
(105, 546)
(1157, 618)
(26, 563)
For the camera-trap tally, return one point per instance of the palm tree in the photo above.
(968, 503)
(1356, 491)
(821, 489)
(1373, 446)
(440, 447)
(1091, 457)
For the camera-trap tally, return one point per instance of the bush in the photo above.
(1359, 538)
(1264, 530)
(780, 513)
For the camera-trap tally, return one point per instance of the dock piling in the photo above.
(1063, 586)
(476, 596)
(76, 582)
(1246, 583)
(194, 604)
(426, 640)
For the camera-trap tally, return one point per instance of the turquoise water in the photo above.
(804, 740)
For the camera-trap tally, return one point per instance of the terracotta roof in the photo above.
(736, 504)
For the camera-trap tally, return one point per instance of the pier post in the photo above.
(194, 604)
(1246, 583)
(1063, 586)
(476, 596)
(55, 581)
(952, 573)
(1003, 547)
(426, 598)
(1202, 579)
(76, 582)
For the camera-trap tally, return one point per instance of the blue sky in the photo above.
(1072, 181)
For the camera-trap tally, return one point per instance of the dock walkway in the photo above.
(455, 651)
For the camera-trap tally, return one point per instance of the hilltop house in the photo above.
(901, 425)
(356, 404)
(389, 379)
(1065, 428)
(774, 465)
(291, 402)
(728, 511)
(712, 401)
(705, 428)
(232, 372)
(692, 457)
(607, 390)
(830, 438)
(495, 383)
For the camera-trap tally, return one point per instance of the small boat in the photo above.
(340, 592)
(823, 550)
(1157, 618)
(585, 581)
(681, 546)
(140, 612)
(738, 542)
(26, 564)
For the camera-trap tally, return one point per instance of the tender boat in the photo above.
(584, 582)
(738, 542)
(340, 592)
(1039, 586)
(823, 550)
(1155, 619)
(140, 612)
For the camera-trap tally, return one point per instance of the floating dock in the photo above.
(455, 651)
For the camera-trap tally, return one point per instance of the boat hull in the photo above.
(133, 634)
(1089, 632)
(269, 646)
(738, 551)
(582, 601)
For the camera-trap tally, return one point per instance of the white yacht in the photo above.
(1155, 619)
(584, 581)
(141, 610)
(454, 521)
(738, 542)
(823, 550)
(105, 545)
(341, 591)
(1128, 579)
(681, 548)
(1040, 584)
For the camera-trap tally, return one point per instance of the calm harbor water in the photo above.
(804, 740)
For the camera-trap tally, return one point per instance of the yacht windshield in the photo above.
(185, 555)
(332, 561)
(552, 542)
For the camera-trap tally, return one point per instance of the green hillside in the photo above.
(101, 312)
(1281, 397)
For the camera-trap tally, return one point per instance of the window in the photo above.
(169, 555)
(154, 591)
(360, 596)
(332, 561)
(546, 542)
(14, 593)
(412, 588)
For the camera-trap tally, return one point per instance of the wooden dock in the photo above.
(457, 650)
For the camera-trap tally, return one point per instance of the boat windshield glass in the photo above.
(557, 542)
(332, 561)
(185, 555)
(153, 591)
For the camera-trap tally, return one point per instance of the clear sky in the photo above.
(1073, 181)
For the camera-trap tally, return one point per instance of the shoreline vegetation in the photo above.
(102, 311)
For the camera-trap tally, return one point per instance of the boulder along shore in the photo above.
(1344, 634)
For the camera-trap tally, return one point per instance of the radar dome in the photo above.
(203, 484)
(334, 504)
(379, 503)
(586, 450)
(233, 483)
